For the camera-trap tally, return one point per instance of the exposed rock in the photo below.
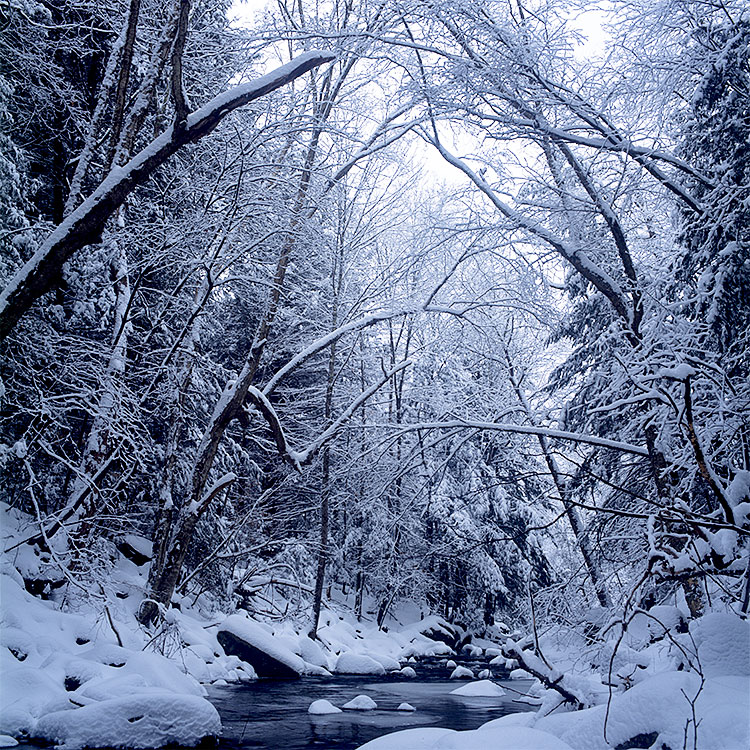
(269, 658)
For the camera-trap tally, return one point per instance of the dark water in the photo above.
(273, 715)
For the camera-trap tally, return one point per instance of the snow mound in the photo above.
(661, 706)
(422, 738)
(405, 707)
(322, 707)
(451, 664)
(388, 662)
(723, 642)
(6, 741)
(312, 653)
(408, 672)
(485, 674)
(147, 721)
(462, 673)
(519, 674)
(480, 689)
(504, 738)
(349, 663)
(361, 703)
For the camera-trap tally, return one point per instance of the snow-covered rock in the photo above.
(350, 663)
(6, 741)
(322, 707)
(361, 703)
(405, 707)
(451, 664)
(389, 663)
(145, 721)
(480, 689)
(408, 672)
(254, 644)
(519, 674)
(312, 653)
(462, 673)
(485, 674)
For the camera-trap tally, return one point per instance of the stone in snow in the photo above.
(479, 689)
(144, 721)
(519, 674)
(485, 674)
(405, 707)
(408, 672)
(349, 663)
(255, 645)
(361, 703)
(322, 707)
(462, 673)
(451, 664)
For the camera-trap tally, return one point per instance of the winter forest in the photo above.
(383, 350)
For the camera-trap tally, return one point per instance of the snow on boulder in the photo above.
(451, 664)
(148, 721)
(462, 673)
(520, 674)
(479, 689)
(322, 707)
(408, 672)
(389, 663)
(135, 548)
(723, 642)
(349, 663)
(361, 703)
(312, 653)
(6, 741)
(485, 674)
(405, 707)
(252, 643)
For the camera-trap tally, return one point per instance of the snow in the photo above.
(6, 741)
(451, 664)
(408, 672)
(322, 707)
(723, 643)
(146, 721)
(361, 703)
(256, 635)
(350, 663)
(480, 689)
(462, 673)
(422, 738)
(405, 707)
(503, 738)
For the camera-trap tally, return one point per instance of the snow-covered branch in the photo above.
(84, 225)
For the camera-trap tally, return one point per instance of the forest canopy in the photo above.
(405, 302)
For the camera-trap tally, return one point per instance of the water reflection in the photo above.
(274, 714)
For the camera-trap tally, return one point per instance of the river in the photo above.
(273, 715)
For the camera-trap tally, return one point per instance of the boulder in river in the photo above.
(250, 642)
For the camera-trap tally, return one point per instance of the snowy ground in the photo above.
(77, 670)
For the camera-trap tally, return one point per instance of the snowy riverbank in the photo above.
(78, 670)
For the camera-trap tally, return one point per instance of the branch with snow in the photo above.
(84, 225)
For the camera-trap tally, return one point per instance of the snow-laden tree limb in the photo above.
(573, 255)
(575, 437)
(298, 459)
(84, 225)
